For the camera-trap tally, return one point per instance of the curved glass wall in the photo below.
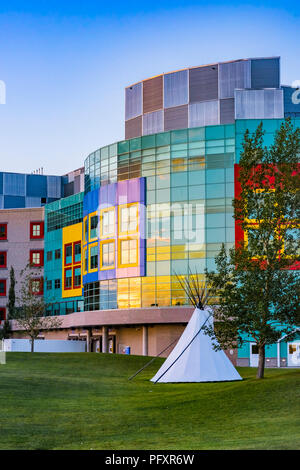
(189, 190)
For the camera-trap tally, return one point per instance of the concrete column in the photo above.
(88, 341)
(145, 340)
(104, 339)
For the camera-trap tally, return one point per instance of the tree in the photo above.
(257, 282)
(30, 313)
(5, 330)
(11, 293)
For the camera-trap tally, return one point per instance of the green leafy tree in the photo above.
(31, 310)
(257, 282)
(5, 330)
(11, 293)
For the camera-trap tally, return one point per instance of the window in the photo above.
(108, 255)
(68, 278)
(57, 284)
(68, 254)
(2, 287)
(93, 226)
(85, 230)
(94, 257)
(57, 254)
(128, 218)
(77, 252)
(49, 255)
(128, 252)
(107, 223)
(2, 313)
(77, 277)
(3, 231)
(37, 286)
(37, 258)
(85, 261)
(49, 285)
(3, 259)
(36, 230)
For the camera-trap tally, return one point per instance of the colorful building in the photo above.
(158, 205)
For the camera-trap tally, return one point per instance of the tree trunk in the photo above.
(32, 345)
(261, 362)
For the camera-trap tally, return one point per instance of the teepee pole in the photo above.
(153, 359)
(182, 351)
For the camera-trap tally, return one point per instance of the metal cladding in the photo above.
(206, 95)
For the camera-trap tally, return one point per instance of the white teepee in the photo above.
(193, 359)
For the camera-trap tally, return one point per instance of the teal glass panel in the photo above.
(214, 132)
(230, 234)
(215, 235)
(196, 192)
(179, 136)
(135, 144)
(179, 179)
(215, 190)
(123, 147)
(179, 194)
(148, 141)
(215, 220)
(215, 176)
(196, 177)
(196, 134)
(163, 139)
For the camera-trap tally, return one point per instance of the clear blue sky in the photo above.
(66, 64)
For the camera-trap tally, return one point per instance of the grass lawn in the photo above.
(84, 401)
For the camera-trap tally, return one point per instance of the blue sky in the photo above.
(66, 64)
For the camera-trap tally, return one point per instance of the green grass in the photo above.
(84, 401)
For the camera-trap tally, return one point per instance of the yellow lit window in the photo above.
(128, 218)
(108, 255)
(128, 252)
(107, 222)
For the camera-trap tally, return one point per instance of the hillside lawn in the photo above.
(85, 401)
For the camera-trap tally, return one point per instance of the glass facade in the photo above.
(189, 190)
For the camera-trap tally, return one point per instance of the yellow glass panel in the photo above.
(123, 293)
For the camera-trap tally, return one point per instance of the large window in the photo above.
(37, 258)
(2, 287)
(128, 218)
(128, 252)
(108, 222)
(93, 257)
(93, 226)
(2, 313)
(68, 278)
(76, 277)
(36, 230)
(68, 254)
(3, 259)
(77, 252)
(108, 255)
(3, 231)
(36, 286)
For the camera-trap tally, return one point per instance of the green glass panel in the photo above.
(148, 141)
(123, 146)
(163, 139)
(196, 134)
(180, 136)
(135, 144)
